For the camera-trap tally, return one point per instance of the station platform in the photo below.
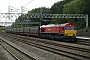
(81, 37)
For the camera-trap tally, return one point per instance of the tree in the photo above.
(45, 10)
(77, 7)
(57, 8)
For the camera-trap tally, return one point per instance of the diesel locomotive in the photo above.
(62, 32)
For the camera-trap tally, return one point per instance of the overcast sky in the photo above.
(30, 4)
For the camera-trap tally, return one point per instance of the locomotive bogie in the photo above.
(70, 38)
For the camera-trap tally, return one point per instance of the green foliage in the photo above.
(75, 7)
(59, 21)
(87, 28)
(78, 7)
(38, 10)
(57, 8)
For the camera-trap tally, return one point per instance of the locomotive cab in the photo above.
(70, 32)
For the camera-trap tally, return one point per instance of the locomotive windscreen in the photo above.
(70, 28)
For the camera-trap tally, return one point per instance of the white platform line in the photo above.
(83, 37)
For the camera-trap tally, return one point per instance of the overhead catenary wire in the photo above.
(29, 2)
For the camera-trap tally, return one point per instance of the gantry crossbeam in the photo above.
(38, 15)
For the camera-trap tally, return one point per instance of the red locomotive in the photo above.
(59, 31)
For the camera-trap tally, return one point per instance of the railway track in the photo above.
(83, 42)
(80, 41)
(70, 50)
(13, 55)
(7, 54)
(18, 52)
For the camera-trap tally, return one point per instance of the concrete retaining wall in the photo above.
(85, 33)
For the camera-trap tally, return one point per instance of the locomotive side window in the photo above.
(42, 29)
(73, 28)
(62, 28)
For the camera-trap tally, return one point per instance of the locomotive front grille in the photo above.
(70, 33)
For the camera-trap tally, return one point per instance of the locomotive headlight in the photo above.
(66, 34)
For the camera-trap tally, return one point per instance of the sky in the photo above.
(16, 4)
(30, 4)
